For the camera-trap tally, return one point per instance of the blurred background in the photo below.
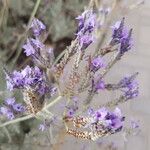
(59, 17)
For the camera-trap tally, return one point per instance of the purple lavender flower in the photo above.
(97, 63)
(19, 107)
(85, 40)
(29, 50)
(126, 43)
(121, 36)
(37, 27)
(130, 85)
(37, 44)
(10, 101)
(87, 23)
(100, 114)
(112, 121)
(27, 77)
(33, 46)
(10, 115)
(131, 93)
(100, 85)
(80, 21)
(128, 82)
(11, 109)
(4, 110)
(119, 32)
(14, 80)
(116, 119)
(18, 79)
(7, 112)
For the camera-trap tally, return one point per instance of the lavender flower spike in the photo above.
(87, 24)
(119, 31)
(37, 27)
(7, 112)
(97, 63)
(29, 50)
(126, 43)
(10, 101)
(33, 47)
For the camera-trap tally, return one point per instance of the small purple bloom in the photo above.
(4, 110)
(33, 46)
(81, 22)
(119, 32)
(87, 21)
(97, 63)
(26, 71)
(18, 79)
(86, 40)
(87, 24)
(37, 27)
(101, 113)
(29, 77)
(126, 43)
(100, 85)
(10, 101)
(131, 93)
(7, 112)
(129, 86)
(110, 120)
(10, 115)
(29, 50)
(37, 72)
(37, 44)
(19, 107)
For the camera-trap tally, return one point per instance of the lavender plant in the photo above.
(77, 70)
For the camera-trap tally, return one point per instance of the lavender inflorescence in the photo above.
(11, 109)
(36, 84)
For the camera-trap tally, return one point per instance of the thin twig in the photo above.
(29, 116)
(53, 102)
(16, 120)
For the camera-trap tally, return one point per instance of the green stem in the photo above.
(30, 116)
(53, 102)
(59, 57)
(16, 120)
